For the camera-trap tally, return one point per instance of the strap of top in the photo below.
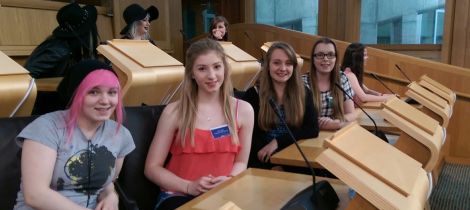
(236, 111)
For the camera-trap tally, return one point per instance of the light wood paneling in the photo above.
(25, 24)
(339, 19)
(382, 63)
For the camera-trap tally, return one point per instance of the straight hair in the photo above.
(294, 92)
(187, 107)
(354, 59)
(338, 98)
(133, 30)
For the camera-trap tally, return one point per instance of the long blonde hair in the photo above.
(187, 107)
(338, 98)
(294, 93)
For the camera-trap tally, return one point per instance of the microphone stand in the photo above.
(381, 82)
(408, 100)
(376, 132)
(402, 72)
(327, 198)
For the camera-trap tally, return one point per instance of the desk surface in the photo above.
(382, 124)
(261, 189)
(311, 147)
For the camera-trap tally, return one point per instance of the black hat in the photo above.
(135, 12)
(74, 77)
(75, 20)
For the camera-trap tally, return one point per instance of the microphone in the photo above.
(402, 72)
(381, 82)
(408, 100)
(376, 132)
(323, 196)
(253, 43)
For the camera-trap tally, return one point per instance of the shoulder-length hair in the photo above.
(338, 110)
(133, 28)
(187, 107)
(214, 23)
(354, 59)
(100, 77)
(294, 93)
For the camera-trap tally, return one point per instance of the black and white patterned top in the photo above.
(326, 98)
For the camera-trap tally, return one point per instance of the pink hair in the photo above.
(99, 77)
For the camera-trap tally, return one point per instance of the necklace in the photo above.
(204, 117)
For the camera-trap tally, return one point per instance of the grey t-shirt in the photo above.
(78, 157)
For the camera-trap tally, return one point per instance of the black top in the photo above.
(308, 129)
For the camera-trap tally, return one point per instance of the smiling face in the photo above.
(219, 30)
(280, 67)
(324, 58)
(143, 26)
(99, 104)
(208, 72)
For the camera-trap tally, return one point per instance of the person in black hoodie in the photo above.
(280, 80)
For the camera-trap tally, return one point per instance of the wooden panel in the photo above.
(24, 16)
(459, 33)
(339, 19)
(370, 154)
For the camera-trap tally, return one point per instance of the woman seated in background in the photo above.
(280, 81)
(138, 22)
(335, 107)
(354, 59)
(208, 132)
(70, 158)
(219, 29)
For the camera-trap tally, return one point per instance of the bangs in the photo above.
(100, 77)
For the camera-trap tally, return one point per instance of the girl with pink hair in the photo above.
(71, 157)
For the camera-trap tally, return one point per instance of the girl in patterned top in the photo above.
(336, 109)
(207, 140)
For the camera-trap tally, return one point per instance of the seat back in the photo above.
(10, 156)
(141, 122)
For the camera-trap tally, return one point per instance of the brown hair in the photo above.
(338, 98)
(214, 23)
(294, 93)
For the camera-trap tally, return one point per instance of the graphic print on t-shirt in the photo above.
(78, 168)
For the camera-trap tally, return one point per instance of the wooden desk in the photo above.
(261, 189)
(48, 84)
(312, 148)
(372, 105)
(382, 124)
(17, 89)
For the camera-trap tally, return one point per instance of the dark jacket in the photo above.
(50, 59)
(308, 129)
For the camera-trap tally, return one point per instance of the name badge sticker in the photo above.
(219, 132)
